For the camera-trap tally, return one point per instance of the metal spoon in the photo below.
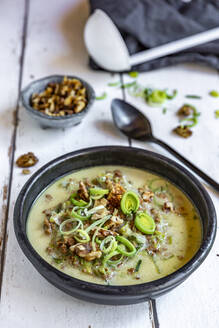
(135, 125)
(106, 46)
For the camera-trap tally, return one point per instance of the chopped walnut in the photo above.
(147, 196)
(93, 255)
(115, 221)
(85, 251)
(49, 197)
(26, 171)
(82, 191)
(27, 160)
(47, 227)
(69, 241)
(183, 131)
(131, 270)
(61, 98)
(168, 207)
(115, 195)
(63, 248)
(104, 233)
(185, 110)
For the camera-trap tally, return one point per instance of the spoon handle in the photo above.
(194, 168)
(175, 46)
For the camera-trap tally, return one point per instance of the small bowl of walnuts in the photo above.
(58, 101)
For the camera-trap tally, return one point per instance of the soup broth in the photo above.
(114, 225)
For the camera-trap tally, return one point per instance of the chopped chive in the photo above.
(57, 261)
(173, 94)
(164, 110)
(113, 84)
(155, 264)
(214, 93)
(217, 113)
(128, 85)
(193, 96)
(103, 96)
(138, 265)
(133, 74)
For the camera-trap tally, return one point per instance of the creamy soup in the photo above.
(114, 225)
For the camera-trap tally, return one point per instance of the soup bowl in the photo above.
(126, 156)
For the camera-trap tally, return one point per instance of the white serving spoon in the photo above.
(106, 46)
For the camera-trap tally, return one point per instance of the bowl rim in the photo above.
(50, 78)
(165, 283)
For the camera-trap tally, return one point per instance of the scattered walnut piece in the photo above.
(26, 171)
(183, 131)
(185, 110)
(27, 160)
(130, 270)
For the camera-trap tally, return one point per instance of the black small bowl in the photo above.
(114, 155)
(57, 121)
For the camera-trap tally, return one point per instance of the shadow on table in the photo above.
(108, 128)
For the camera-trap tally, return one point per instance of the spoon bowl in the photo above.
(130, 121)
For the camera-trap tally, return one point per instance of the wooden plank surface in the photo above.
(54, 46)
(9, 80)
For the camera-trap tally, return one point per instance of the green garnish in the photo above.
(109, 244)
(114, 84)
(217, 113)
(170, 97)
(129, 202)
(156, 97)
(145, 223)
(128, 85)
(75, 202)
(164, 110)
(97, 193)
(67, 222)
(57, 261)
(103, 96)
(107, 258)
(81, 236)
(152, 257)
(214, 93)
(126, 230)
(138, 265)
(193, 96)
(77, 213)
(193, 119)
(127, 244)
(133, 74)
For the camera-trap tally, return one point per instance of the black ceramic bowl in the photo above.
(51, 121)
(113, 155)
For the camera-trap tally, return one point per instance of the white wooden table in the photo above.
(40, 38)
